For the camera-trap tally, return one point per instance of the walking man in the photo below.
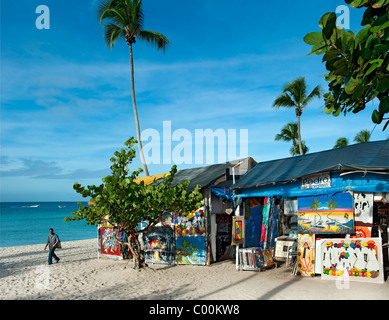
(52, 241)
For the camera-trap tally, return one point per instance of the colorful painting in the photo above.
(108, 241)
(190, 250)
(159, 245)
(352, 259)
(267, 257)
(306, 255)
(190, 224)
(238, 230)
(326, 214)
(167, 219)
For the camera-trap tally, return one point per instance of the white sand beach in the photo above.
(80, 275)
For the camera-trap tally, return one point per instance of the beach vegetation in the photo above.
(130, 206)
(357, 64)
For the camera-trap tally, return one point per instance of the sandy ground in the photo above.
(80, 275)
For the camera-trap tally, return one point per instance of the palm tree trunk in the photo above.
(299, 135)
(142, 158)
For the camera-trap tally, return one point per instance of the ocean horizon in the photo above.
(28, 223)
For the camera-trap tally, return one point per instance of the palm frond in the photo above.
(315, 93)
(284, 100)
(111, 33)
(154, 38)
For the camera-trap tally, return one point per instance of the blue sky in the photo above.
(66, 99)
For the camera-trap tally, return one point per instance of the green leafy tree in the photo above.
(357, 64)
(125, 203)
(294, 95)
(363, 136)
(125, 21)
(340, 143)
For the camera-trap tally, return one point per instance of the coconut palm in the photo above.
(362, 136)
(289, 133)
(125, 21)
(294, 95)
(305, 149)
(340, 143)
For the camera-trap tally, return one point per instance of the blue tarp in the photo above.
(223, 194)
(357, 181)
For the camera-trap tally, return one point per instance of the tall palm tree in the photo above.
(294, 95)
(362, 136)
(305, 149)
(340, 143)
(125, 21)
(289, 133)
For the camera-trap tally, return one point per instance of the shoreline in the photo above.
(80, 275)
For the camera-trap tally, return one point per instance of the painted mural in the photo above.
(306, 255)
(355, 259)
(190, 224)
(190, 250)
(326, 214)
(159, 245)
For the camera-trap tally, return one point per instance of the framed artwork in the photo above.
(306, 255)
(190, 250)
(355, 259)
(267, 257)
(326, 214)
(159, 245)
(363, 214)
(238, 230)
(109, 246)
(281, 248)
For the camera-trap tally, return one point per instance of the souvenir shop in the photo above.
(200, 237)
(326, 212)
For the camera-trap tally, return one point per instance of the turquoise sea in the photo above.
(26, 223)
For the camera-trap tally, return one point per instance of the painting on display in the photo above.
(159, 245)
(190, 250)
(238, 230)
(306, 255)
(267, 257)
(108, 243)
(363, 214)
(326, 214)
(251, 258)
(355, 259)
(190, 224)
(281, 248)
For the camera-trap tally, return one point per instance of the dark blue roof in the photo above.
(368, 156)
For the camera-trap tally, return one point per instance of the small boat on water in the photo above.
(34, 206)
(61, 207)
